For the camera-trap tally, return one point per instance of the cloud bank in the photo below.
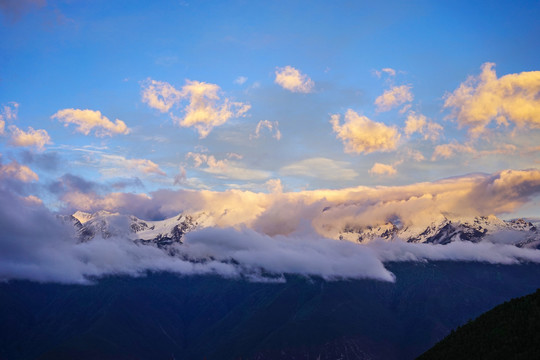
(41, 247)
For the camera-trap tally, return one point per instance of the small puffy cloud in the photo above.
(160, 95)
(293, 80)
(418, 123)
(388, 71)
(482, 99)
(240, 80)
(322, 168)
(116, 165)
(88, 120)
(31, 138)
(382, 169)
(272, 126)
(226, 168)
(396, 96)
(362, 135)
(16, 171)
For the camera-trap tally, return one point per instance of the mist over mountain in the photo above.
(43, 246)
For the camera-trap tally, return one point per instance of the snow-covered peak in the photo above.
(105, 224)
(443, 231)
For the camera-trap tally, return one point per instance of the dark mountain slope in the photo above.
(509, 331)
(162, 315)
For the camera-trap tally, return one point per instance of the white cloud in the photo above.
(293, 80)
(362, 135)
(482, 99)
(272, 126)
(321, 168)
(396, 96)
(90, 120)
(31, 138)
(382, 169)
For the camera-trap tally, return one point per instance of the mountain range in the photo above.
(163, 233)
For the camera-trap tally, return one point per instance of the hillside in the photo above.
(509, 331)
(162, 316)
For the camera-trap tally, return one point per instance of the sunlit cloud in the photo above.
(393, 97)
(362, 135)
(31, 138)
(418, 123)
(272, 126)
(206, 107)
(321, 168)
(330, 211)
(91, 120)
(17, 171)
(382, 170)
(293, 80)
(225, 168)
(160, 95)
(482, 99)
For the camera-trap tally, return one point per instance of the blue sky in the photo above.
(103, 56)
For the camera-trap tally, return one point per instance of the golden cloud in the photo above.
(31, 138)
(14, 170)
(90, 120)
(485, 98)
(362, 135)
(396, 96)
(293, 80)
(382, 169)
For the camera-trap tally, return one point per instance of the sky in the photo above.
(109, 100)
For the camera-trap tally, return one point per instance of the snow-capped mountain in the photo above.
(161, 233)
(489, 228)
